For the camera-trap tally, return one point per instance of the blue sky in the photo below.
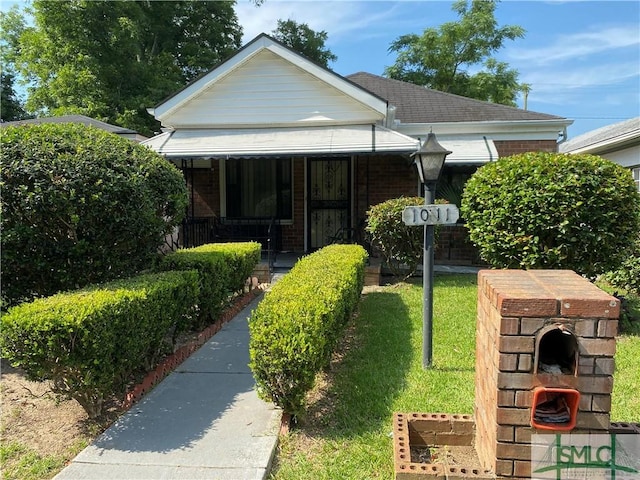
(582, 59)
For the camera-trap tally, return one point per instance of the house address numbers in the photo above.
(431, 215)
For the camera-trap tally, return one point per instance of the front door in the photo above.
(329, 205)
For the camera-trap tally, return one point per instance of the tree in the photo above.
(112, 60)
(10, 106)
(441, 58)
(11, 26)
(304, 40)
(80, 206)
(549, 210)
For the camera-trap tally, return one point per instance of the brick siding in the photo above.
(507, 148)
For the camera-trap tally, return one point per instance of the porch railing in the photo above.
(198, 231)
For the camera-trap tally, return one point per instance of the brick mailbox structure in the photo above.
(545, 342)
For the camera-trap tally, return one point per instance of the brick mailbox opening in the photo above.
(556, 351)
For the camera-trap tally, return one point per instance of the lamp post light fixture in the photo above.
(429, 160)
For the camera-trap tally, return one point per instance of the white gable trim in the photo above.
(260, 43)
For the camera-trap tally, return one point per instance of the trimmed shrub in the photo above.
(80, 206)
(548, 210)
(295, 328)
(223, 269)
(401, 245)
(627, 277)
(89, 342)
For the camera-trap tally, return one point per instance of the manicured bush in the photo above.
(223, 269)
(89, 342)
(548, 210)
(401, 245)
(80, 206)
(627, 277)
(295, 328)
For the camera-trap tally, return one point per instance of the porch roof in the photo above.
(469, 149)
(261, 142)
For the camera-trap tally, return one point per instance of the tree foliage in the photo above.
(112, 60)
(11, 26)
(549, 210)
(441, 57)
(304, 40)
(627, 276)
(10, 105)
(80, 206)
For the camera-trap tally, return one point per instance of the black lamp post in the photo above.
(429, 160)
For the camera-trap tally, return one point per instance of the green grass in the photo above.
(625, 400)
(19, 462)
(346, 433)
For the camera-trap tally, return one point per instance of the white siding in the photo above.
(270, 91)
(628, 157)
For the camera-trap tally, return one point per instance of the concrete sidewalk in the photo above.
(204, 421)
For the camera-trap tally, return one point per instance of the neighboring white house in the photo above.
(619, 142)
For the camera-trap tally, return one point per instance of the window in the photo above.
(636, 177)
(259, 188)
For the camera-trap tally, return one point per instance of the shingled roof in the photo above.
(618, 134)
(416, 104)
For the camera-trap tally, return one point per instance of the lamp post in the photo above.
(429, 160)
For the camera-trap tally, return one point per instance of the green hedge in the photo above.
(80, 206)
(296, 326)
(223, 269)
(89, 342)
(551, 210)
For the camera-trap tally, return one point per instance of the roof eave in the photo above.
(622, 142)
(489, 127)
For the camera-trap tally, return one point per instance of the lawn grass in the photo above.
(347, 431)
(625, 399)
(19, 462)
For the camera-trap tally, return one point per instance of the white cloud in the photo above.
(595, 75)
(580, 45)
(338, 19)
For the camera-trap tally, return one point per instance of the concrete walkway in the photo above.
(204, 421)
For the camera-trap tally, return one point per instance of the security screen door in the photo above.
(329, 187)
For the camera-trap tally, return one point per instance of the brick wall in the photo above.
(453, 247)
(516, 309)
(512, 147)
(293, 235)
(380, 178)
(206, 192)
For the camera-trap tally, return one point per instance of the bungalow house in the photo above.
(272, 144)
(619, 142)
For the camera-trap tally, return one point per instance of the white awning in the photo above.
(260, 142)
(469, 150)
